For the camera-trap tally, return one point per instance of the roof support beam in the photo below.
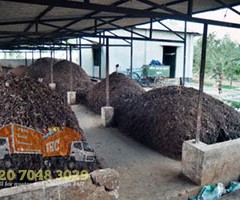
(123, 10)
(119, 27)
(229, 7)
(162, 6)
(49, 8)
(117, 36)
(190, 7)
(174, 32)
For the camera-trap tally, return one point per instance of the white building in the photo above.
(168, 53)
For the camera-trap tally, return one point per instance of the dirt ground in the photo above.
(144, 173)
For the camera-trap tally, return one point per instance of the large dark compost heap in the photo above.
(28, 102)
(61, 76)
(122, 91)
(163, 118)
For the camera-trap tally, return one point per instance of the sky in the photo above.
(225, 15)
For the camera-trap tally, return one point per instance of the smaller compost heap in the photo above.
(20, 70)
(164, 118)
(41, 67)
(27, 102)
(122, 90)
(62, 70)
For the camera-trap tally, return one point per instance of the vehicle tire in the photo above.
(71, 164)
(159, 81)
(47, 163)
(7, 163)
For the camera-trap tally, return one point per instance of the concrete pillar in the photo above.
(210, 164)
(52, 86)
(107, 113)
(71, 97)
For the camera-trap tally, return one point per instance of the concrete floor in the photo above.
(144, 174)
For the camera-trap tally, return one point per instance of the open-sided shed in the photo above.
(38, 22)
(34, 24)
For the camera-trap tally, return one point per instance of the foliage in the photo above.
(223, 57)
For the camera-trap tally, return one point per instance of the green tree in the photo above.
(223, 57)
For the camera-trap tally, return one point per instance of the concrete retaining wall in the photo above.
(207, 164)
(102, 185)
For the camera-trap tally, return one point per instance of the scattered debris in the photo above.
(109, 178)
(215, 192)
(210, 192)
(70, 187)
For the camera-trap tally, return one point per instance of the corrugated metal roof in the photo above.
(40, 21)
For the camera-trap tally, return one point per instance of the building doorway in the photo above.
(169, 58)
(96, 49)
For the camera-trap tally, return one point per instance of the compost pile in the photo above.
(41, 67)
(20, 70)
(123, 90)
(33, 104)
(79, 81)
(163, 118)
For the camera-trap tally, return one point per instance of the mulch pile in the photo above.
(61, 76)
(33, 104)
(20, 70)
(123, 90)
(41, 67)
(163, 118)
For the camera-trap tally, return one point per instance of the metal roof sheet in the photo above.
(40, 21)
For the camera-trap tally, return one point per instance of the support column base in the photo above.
(107, 113)
(71, 97)
(52, 86)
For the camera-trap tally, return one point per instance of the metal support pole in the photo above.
(80, 53)
(51, 67)
(66, 53)
(131, 55)
(184, 53)
(151, 28)
(40, 53)
(32, 57)
(70, 51)
(26, 63)
(107, 72)
(71, 77)
(201, 82)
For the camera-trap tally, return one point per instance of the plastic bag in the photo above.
(233, 186)
(210, 192)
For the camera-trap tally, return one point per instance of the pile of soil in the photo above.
(81, 82)
(61, 76)
(33, 104)
(20, 70)
(41, 67)
(123, 90)
(165, 117)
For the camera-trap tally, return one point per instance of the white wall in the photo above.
(143, 53)
(87, 60)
